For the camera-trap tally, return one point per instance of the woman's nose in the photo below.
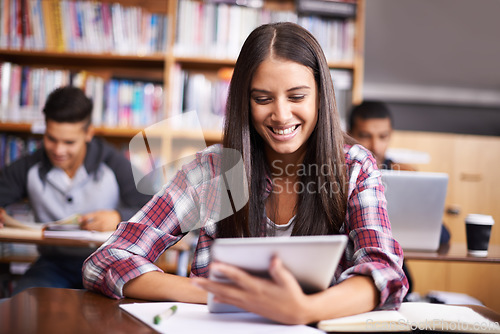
(282, 112)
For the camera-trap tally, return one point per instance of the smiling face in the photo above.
(66, 144)
(284, 107)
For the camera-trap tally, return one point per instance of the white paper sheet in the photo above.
(195, 318)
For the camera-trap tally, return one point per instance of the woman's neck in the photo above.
(285, 166)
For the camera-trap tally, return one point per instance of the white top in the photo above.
(284, 230)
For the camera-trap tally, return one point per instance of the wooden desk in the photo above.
(51, 310)
(36, 237)
(455, 252)
(11, 235)
(54, 311)
(451, 269)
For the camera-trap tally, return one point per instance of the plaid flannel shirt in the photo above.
(189, 201)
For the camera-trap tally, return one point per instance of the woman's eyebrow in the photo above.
(298, 87)
(257, 90)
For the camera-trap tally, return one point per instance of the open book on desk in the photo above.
(413, 316)
(67, 228)
(71, 223)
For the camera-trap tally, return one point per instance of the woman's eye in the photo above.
(261, 100)
(297, 98)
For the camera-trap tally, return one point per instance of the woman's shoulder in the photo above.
(214, 150)
(206, 158)
(357, 154)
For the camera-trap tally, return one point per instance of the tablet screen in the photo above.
(311, 259)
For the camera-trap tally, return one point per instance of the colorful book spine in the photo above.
(117, 103)
(218, 30)
(206, 95)
(13, 147)
(81, 26)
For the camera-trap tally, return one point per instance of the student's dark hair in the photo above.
(317, 212)
(369, 110)
(68, 104)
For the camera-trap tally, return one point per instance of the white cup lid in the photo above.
(479, 219)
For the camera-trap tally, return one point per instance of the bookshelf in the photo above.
(113, 58)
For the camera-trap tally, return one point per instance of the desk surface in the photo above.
(455, 252)
(36, 237)
(450, 252)
(52, 310)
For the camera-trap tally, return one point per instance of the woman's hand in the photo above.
(280, 299)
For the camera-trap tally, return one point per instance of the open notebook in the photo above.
(419, 316)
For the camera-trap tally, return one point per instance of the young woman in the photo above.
(304, 177)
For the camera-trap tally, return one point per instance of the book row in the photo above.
(200, 92)
(117, 102)
(81, 26)
(218, 30)
(12, 148)
(132, 103)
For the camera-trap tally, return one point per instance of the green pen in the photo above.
(165, 315)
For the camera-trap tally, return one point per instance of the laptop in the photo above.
(415, 203)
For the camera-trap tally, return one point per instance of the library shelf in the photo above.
(161, 67)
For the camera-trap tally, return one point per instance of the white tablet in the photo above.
(311, 259)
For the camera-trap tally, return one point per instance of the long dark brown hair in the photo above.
(317, 212)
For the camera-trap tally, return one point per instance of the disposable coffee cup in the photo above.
(478, 230)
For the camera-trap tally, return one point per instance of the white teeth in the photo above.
(286, 131)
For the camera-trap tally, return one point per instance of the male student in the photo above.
(74, 173)
(371, 124)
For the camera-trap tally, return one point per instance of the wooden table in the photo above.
(12, 235)
(451, 269)
(455, 252)
(52, 310)
(36, 237)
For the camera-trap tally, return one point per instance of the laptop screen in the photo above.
(415, 204)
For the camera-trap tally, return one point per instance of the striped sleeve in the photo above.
(371, 250)
(134, 247)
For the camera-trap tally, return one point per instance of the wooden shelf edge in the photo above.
(205, 60)
(209, 135)
(78, 55)
(117, 132)
(347, 64)
(137, 58)
(15, 127)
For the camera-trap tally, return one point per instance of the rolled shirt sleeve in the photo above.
(371, 249)
(175, 210)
